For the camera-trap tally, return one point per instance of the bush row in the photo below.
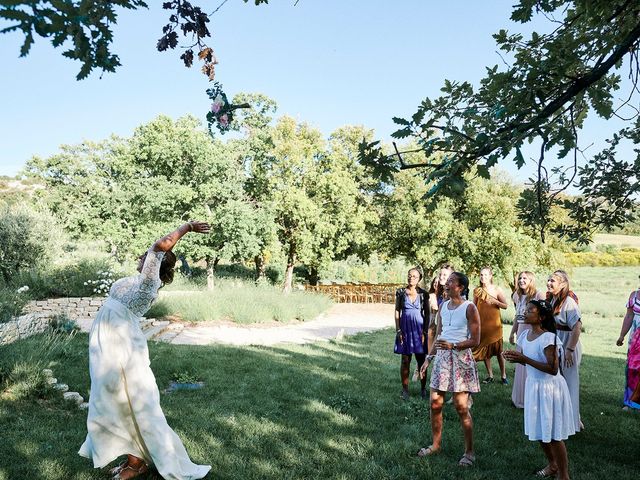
(622, 258)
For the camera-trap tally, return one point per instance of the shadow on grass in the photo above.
(327, 410)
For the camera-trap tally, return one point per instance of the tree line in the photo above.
(278, 188)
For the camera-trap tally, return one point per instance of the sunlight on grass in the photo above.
(330, 410)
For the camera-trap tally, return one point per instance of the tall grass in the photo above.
(240, 302)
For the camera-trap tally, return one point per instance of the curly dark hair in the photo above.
(547, 320)
(167, 267)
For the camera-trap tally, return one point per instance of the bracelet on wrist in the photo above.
(190, 226)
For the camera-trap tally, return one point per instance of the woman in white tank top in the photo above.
(454, 369)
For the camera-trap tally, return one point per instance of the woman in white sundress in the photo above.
(548, 412)
(125, 417)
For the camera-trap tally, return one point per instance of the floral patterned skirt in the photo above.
(455, 371)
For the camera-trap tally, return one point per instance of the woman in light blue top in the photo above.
(454, 368)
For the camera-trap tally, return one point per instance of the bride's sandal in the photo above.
(136, 472)
(117, 469)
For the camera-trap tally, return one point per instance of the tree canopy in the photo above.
(549, 84)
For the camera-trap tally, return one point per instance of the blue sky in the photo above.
(329, 63)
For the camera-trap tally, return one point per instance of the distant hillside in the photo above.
(631, 241)
(13, 190)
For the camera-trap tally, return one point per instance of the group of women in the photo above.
(546, 334)
(440, 327)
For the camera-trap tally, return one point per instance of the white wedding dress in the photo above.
(124, 406)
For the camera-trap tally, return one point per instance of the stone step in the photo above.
(156, 328)
(63, 387)
(172, 331)
(73, 397)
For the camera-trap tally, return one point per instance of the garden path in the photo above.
(341, 319)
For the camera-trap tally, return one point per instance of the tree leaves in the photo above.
(543, 95)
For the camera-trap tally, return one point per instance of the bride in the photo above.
(125, 417)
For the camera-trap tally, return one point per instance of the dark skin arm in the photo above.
(167, 242)
(550, 366)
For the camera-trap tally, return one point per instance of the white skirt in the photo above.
(548, 413)
(124, 406)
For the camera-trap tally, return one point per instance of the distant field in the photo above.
(618, 240)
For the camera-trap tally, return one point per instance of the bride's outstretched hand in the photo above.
(199, 227)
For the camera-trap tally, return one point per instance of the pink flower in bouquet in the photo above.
(217, 104)
(224, 120)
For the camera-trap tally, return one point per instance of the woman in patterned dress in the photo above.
(125, 417)
(630, 325)
(454, 368)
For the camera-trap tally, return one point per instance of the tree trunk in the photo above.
(211, 270)
(261, 268)
(313, 276)
(288, 274)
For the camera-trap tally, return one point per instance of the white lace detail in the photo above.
(138, 292)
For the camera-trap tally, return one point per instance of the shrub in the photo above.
(27, 238)
(12, 302)
(621, 258)
(87, 277)
(26, 380)
(62, 324)
(228, 301)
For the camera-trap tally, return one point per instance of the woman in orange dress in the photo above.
(489, 299)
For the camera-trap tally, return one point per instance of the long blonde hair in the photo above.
(558, 300)
(531, 290)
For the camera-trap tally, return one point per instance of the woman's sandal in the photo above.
(467, 460)
(138, 471)
(545, 472)
(117, 469)
(427, 451)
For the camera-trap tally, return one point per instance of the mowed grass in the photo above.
(332, 410)
(240, 302)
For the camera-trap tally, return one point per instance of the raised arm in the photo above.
(167, 242)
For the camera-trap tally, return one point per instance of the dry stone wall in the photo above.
(38, 316)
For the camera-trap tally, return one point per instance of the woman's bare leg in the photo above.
(437, 400)
(461, 402)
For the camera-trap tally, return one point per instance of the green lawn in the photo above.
(329, 410)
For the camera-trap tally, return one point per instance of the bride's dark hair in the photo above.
(167, 267)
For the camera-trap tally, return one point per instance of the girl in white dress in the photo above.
(548, 413)
(125, 417)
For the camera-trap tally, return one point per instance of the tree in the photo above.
(126, 191)
(479, 228)
(343, 191)
(550, 84)
(85, 27)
